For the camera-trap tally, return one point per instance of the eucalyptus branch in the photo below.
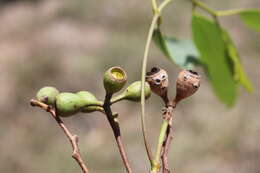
(144, 65)
(167, 117)
(116, 130)
(72, 138)
(156, 164)
(166, 146)
(204, 7)
(229, 12)
(163, 4)
(215, 12)
(147, 46)
(155, 7)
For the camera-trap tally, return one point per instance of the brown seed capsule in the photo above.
(188, 82)
(158, 80)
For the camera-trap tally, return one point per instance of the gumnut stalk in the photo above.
(158, 80)
(90, 101)
(188, 82)
(114, 79)
(47, 95)
(133, 92)
(68, 104)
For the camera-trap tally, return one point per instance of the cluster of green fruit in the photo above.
(68, 104)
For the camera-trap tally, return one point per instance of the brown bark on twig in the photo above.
(116, 130)
(168, 115)
(72, 138)
(166, 147)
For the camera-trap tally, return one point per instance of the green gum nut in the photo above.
(114, 79)
(68, 104)
(133, 92)
(89, 109)
(90, 101)
(47, 95)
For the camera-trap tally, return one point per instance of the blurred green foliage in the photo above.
(208, 39)
(217, 53)
(251, 18)
(181, 52)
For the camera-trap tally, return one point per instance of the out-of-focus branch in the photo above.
(72, 138)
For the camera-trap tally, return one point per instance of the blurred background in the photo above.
(69, 44)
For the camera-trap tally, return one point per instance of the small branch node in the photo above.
(111, 117)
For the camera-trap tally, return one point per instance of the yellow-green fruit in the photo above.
(47, 95)
(89, 99)
(114, 79)
(68, 104)
(89, 109)
(133, 91)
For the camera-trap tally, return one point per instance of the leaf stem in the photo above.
(163, 4)
(156, 16)
(159, 146)
(167, 118)
(204, 7)
(214, 12)
(229, 12)
(155, 8)
(147, 46)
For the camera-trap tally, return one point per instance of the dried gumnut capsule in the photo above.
(114, 79)
(89, 100)
(47, 95)
(188, 82)
(133, 92)
(68, 104)
(158, 80)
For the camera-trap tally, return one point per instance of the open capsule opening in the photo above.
(114, 79)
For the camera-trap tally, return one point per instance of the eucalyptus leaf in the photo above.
(208, 39)
(181, 52)
(160, 42)
(251, 18)
(238, 70)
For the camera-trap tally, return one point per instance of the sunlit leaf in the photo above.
(207, 37)
(238, 71)
(251, 18)
(181, 52)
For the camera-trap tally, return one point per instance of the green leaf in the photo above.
(181, 52)
(251, 18)
(238, 71)
(207, 37)
(160, 42)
